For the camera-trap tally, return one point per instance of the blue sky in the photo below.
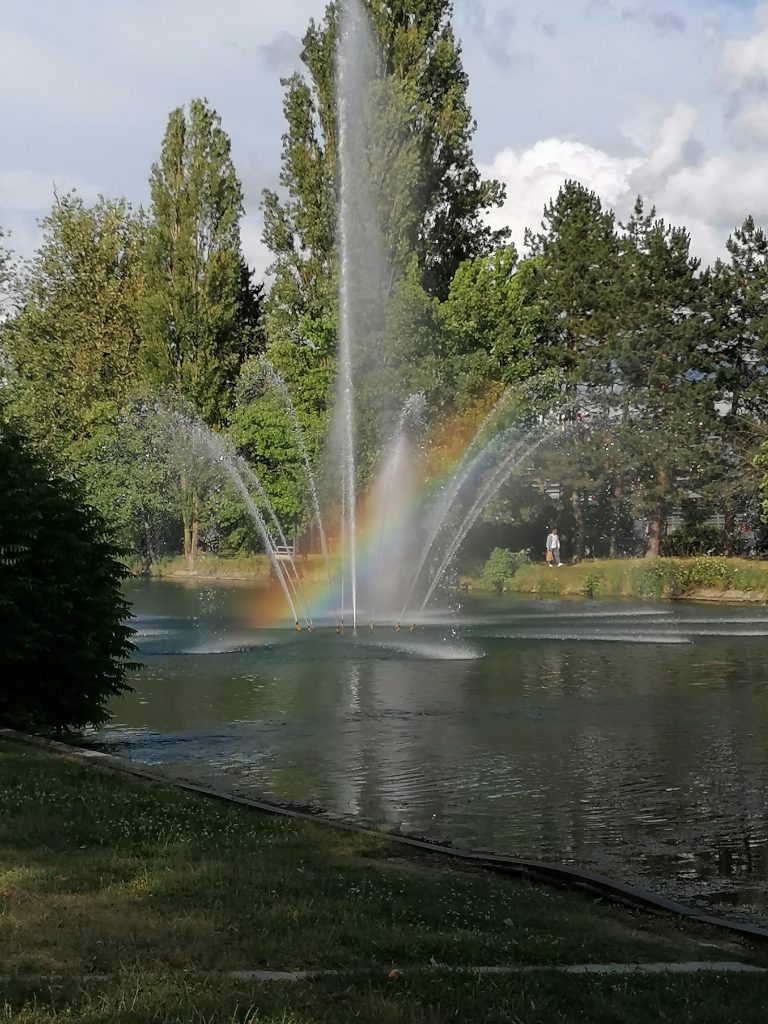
(668, 98)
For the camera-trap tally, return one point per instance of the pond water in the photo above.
(629, 738)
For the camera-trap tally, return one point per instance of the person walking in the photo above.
(553, 548)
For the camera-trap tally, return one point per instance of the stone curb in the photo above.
(540, 871)
(292, 977)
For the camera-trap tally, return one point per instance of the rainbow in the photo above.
(319, 601)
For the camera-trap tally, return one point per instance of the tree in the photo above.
(74, 341)
(193, 340)
(575, 264)
(575, 255)
(5, 269)
(431, 197)
(190, 332)
(126, 470)
(735, 331)
(64, 643)
(660, 394)
(498, 329)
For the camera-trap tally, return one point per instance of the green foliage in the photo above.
(761, 464)
(502, 564)
(74, 341)
(592, 584)
(191, 336)
(668, 577)
(430, 198)
(497, 329)
(63, 642)
(704, 541)
(127, 473)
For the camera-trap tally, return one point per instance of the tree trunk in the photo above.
(581, 530)
(656, 522)
(191, 521)
(616, 496)
(729, 530)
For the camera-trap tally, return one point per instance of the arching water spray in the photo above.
(521, 451)
(281, 387)
(220, 454)
(461, 475)
(294, 577)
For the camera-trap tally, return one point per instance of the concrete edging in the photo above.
(540, 871)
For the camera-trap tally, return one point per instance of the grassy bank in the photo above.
(704, 578)
(102, 875)
(240, 567)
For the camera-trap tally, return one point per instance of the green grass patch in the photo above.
(101, 873)
(415, 998)
(646, 578)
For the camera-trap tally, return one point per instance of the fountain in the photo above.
(394, 545)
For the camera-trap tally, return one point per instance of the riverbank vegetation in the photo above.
(127, 901)
(117, 319)
(707, 578)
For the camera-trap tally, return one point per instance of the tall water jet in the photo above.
(393, 478)
(358, 247)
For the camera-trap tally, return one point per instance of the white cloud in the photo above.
(710, 194)
(746, 59)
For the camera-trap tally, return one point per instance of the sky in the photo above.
(666, 98)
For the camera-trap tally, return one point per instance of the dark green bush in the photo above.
(63, 642)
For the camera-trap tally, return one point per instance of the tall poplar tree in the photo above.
(192, 339)
(431, 197)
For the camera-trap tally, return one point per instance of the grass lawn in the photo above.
(105, 875)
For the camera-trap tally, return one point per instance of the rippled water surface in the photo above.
(630, 738)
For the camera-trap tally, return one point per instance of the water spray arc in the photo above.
(519, 454)
(450, 492)
(280, 385)
(219, 453)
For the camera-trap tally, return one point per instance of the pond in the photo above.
(628, 738)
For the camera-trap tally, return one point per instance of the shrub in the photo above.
(63, 642)
(502, 563)
(592, 584)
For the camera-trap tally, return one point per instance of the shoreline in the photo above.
(470, 585)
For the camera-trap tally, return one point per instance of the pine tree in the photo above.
(735, 329)
(575, 256)
(661, 393)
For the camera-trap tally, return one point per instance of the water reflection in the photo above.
(527, 732)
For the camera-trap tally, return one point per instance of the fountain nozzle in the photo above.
(397, 628)
(413, 627)
(338, 630)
